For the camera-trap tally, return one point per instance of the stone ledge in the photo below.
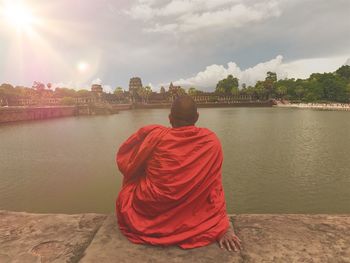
(95, 238)
(46, 237)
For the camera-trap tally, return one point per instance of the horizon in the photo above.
(173, 41)
(157, 90)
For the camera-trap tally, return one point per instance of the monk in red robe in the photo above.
(172, 190)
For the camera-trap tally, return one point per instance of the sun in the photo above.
(18, 15)
(82, 67)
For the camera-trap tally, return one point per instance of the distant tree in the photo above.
(65, 92)
(272, 76)
(235, 90)
(119, 93)
(290, 85)
(270, 83)
(281, 91)
(313, 91)
(144, 93)
(347, 92)
(6, 86)
(38, 86)
(181, 91)
(192, 91)
(67, 101)
(299, 91)
(7, 92)
(245, 90)
(327, 87)
(228, 85)
(83, 93)
(344, 72)
(250, 91)
(148, 92)
(118, 90)
(260, 90)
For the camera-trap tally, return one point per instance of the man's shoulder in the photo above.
(151, 128)
(210, 134)
(207, 131)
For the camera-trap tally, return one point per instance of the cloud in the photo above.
(191, 15)
(347, 62)
(146, 9)
(207, 79)
(78, 86)
(106, 88)
(141, 11)
(62, 85)
(302, 68)
(97, 81)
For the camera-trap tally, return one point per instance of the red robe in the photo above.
(172, 191)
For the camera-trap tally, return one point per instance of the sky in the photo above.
(188, 42)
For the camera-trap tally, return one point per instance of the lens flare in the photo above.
(18, 15)
(82, 67)
(33, 31)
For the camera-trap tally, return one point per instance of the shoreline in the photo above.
(15, 114)
(92, 237)
(22, 113)
(316, 106)
(33, 113)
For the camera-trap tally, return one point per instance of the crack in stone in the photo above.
(79, 251)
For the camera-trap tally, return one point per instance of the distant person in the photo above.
(172, 191)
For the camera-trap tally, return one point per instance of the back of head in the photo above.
(183, 112)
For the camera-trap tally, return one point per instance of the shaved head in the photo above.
(183, 112)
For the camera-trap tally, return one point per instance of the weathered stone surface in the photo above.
(46, 238)
(294, 238)
(109, 245)
(266, 238)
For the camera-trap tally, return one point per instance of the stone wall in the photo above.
(236, 104)
(14, 114)
(120, 107)
(208, 105)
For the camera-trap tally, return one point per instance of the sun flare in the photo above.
(82, 67)
(19, 16)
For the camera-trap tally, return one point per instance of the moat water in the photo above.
(276, 160)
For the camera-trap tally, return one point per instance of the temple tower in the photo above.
(174, 91)
(134, 85)
(97, 91)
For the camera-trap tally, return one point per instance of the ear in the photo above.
(197, 117)
(170, 119)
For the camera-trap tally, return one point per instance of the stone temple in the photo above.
(97, 88)
(134, 84)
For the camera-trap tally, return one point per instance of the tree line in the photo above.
(39, 90)
(319, 87)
